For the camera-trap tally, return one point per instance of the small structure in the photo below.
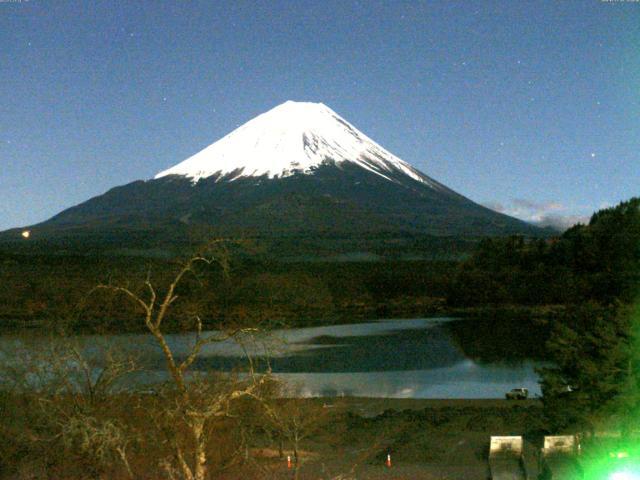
(559, 458)
(554, 444)
(505, 458)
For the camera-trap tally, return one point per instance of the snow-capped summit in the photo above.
(294, 137)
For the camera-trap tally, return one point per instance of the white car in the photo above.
(517, 394)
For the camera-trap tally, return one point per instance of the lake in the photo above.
(414, 358)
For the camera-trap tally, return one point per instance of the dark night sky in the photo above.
(530, 107)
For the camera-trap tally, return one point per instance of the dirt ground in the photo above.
(427, 439)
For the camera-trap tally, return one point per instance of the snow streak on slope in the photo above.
(294, 137)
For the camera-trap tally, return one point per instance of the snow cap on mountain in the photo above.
(294, 137)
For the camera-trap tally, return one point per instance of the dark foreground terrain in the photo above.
(427, 439)
(341, 436)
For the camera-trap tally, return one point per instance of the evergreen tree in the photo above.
(590, 350)
(626, 407)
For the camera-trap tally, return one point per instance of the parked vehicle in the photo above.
(517, 394)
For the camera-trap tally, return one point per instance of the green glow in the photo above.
(620, 464)
(623, 475)
(619, 458)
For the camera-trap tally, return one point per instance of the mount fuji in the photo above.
(297, 171)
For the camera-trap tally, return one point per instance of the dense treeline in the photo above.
(42, 289)
(597, 262)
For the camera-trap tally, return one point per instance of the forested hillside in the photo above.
(599, 261)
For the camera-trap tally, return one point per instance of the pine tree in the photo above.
(590, 348)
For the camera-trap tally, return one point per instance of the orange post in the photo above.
(289, 461)
(389, 460)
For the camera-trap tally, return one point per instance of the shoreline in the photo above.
(373, 406)
(30, 325)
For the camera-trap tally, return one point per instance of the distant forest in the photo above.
(596, 262)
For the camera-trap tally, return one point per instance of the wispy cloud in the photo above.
(545, 214)
(562, 222)
(523, 203)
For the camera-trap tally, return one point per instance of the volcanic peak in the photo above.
(294, 137)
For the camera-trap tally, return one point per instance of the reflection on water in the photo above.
(392, 358)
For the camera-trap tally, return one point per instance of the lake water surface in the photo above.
(417, 358)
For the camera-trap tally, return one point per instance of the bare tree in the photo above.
(101, 439)
(294, 420)
(65, 392)
(197, 402)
